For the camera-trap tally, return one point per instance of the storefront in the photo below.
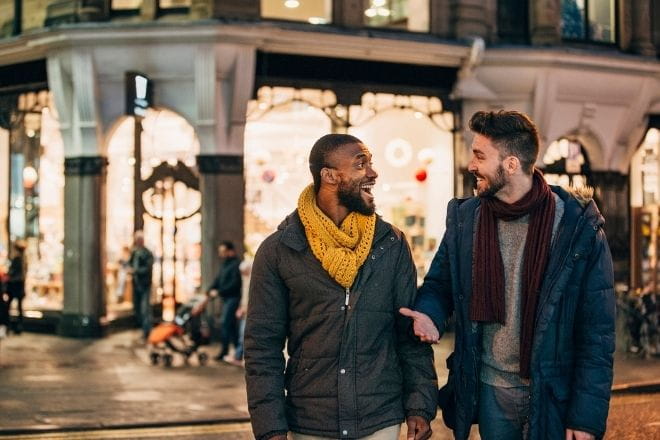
(31, 203)
(411, 137)
(645, 207)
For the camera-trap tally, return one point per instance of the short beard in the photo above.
(496, 185)
(350, 198)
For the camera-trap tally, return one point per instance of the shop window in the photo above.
(311, 11)
(7, 18)
(170, 208)
(409, 15)
(410, 138)
(645, 201)
(566, 164)
(589, 20)
(35, 167)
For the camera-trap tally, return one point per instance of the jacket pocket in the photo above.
(556, 402)
(447, 396)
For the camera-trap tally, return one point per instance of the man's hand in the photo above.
(424, 328)
(578, 435)
(418, 428)
(240, 313)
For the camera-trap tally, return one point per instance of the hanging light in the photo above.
(291, 4)
(30, 176)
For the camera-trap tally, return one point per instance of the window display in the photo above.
(171, 203)
(566, 164)
(410, 138)
(36, 198)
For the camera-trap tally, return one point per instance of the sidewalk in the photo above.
(54, 383)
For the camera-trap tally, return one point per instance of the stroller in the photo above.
(184, 336)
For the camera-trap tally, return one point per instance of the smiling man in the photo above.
(526, 272)
(328, 284)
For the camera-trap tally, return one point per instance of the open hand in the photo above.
(424, 328)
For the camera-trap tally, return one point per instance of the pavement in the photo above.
(50, 383)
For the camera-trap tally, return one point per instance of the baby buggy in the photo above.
(183, 336)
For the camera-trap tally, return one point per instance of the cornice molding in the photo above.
(265, 36)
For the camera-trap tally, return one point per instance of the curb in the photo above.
(636, 388)
(98, 427)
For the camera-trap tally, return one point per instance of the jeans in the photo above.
(228, 324)
(142, 308)
(503, 412)
(241, 334)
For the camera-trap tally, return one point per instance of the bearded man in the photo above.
(526, 272)
(329, 283)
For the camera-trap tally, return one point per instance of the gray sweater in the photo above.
(500, 360)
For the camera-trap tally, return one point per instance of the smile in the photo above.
(367, 187)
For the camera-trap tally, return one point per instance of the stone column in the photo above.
(348, 13)
(469, 18)
(641, 42)
(84, 230)
(545, 19)
(223, 199)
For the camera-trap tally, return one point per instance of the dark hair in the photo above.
(320, 151)
(513, 133)
(228, 244)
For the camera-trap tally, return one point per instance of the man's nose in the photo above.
(371, 172)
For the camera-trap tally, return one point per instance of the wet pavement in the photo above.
(59, 386)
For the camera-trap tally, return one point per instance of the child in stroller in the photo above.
(184, 336)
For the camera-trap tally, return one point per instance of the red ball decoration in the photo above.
(421, 175)
(268, 176)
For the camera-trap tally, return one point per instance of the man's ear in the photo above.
(511, 164)
(329, 176)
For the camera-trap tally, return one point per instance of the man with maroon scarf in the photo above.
(525, 270)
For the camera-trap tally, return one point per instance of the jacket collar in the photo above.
(293, 231)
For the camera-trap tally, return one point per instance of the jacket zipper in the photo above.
(348, 296)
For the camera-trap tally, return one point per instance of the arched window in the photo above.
(566, 164)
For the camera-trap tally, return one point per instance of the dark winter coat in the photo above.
(354, 366)
(228, 282)
(571, 369)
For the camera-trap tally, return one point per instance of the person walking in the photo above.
(141, 264)
(16, 283)
(328, 284)
(228, 285)
(526, 271)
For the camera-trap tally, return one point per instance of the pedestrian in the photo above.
(227, 284)
(241, 313)
(328, 284)
(4, 305)
(141, 264)
(16, 282)
(526, 271)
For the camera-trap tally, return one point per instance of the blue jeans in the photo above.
(241, 334)
(142, 308)
(503, 412)
(228, 324)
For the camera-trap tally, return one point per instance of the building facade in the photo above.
(192, 120)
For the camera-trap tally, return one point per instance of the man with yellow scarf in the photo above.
(329, 283)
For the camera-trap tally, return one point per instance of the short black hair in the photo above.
(228, 244)
(320, 151)
(512, 132)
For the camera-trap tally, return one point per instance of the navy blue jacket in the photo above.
(572, 352)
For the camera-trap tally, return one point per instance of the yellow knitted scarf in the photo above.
(341, 251)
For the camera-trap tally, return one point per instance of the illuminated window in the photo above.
(311, 11)
(589, 20)
(410, 15)
(126, 5)
(566, 164)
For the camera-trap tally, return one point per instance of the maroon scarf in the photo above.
(487, 303)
